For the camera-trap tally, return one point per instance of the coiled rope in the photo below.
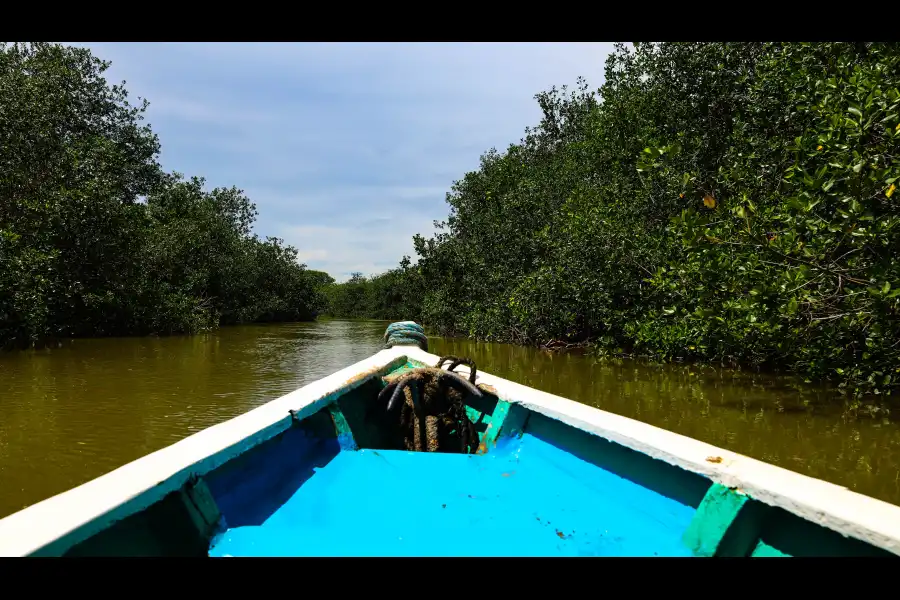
(405, 333)
(431, 403)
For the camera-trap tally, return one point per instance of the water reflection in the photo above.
(775, 419)
(73, 413)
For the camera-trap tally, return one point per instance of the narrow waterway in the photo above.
(70, 414)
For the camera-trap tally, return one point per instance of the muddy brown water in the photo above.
(70, 414)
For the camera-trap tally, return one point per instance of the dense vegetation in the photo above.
(392, 295)
(727, 202)
(95, 239)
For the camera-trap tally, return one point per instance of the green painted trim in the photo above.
(717, 512)
(201, 508)
(763, 550)
(409, 365)
(341, 428)
(514, 420)
(489, 438)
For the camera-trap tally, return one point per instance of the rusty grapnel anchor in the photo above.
(432, 408)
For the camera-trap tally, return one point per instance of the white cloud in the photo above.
(341, 250)
(330, 139)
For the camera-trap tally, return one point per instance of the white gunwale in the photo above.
(58, 523)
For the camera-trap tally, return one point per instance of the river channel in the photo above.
(75, 412)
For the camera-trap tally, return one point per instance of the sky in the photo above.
(347, 149)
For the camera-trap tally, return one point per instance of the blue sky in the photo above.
(346, 149)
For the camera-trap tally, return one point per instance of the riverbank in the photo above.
(74, 413)
(713, 202)
(852, 401)
(96, 239)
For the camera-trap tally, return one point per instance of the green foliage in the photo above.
(96, 240)
(727, 202)
(393, 295)
(799, 267)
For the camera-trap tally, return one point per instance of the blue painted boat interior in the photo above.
(525, 498)
(330, 486)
